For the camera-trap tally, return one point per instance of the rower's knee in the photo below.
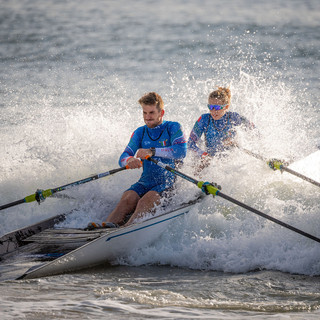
(130, 198)
(148, 201)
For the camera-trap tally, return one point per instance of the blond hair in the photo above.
(152, 98)
(223, 94)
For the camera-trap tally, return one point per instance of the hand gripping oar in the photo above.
(279, 165)
(214, 189)
(41, 195)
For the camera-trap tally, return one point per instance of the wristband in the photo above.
(128, 159)
(153, 151)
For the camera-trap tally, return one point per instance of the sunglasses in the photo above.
(216, 106)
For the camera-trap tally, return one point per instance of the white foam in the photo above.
(86, 138)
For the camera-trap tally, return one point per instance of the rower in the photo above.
(160, 139)
(218, 127)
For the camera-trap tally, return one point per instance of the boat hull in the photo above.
(109, 246)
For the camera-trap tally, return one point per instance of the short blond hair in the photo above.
(223, 94)
(152, 98)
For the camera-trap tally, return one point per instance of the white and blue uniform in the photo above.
(215, 131)
(170, 145)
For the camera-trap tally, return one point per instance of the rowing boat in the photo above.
(108, 245)
(15, 239)
(105, 245)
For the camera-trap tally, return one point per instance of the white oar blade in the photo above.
(308, 166)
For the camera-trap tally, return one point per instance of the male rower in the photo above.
(163, 140)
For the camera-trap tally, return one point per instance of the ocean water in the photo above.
(70, 78)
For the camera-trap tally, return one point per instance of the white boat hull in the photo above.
(106, 248)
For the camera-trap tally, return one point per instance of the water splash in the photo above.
(84, 133)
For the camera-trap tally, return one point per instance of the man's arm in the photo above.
(130, 150)
(178, 148)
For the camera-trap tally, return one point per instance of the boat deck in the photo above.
(63, 236)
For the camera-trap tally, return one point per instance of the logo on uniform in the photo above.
(164, 143)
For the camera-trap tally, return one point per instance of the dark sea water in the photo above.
(71, 73)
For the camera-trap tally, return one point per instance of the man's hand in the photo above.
(142, 153)
(134, 163)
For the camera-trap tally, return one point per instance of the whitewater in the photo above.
(71, 75)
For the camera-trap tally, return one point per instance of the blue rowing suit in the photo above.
(170, 145)
(215, 131)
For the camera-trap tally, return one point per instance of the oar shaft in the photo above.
(8, 205)
(174, 171)
(261, 214)
(82, 181)
(50, 192)
(280, 166)
(255, 155)
(215, 191)
(297, 174)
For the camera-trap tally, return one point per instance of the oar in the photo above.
(40, 195)
(213, 189)
(279, 165)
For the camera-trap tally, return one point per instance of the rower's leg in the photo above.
(146, 204)
(127, 204)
